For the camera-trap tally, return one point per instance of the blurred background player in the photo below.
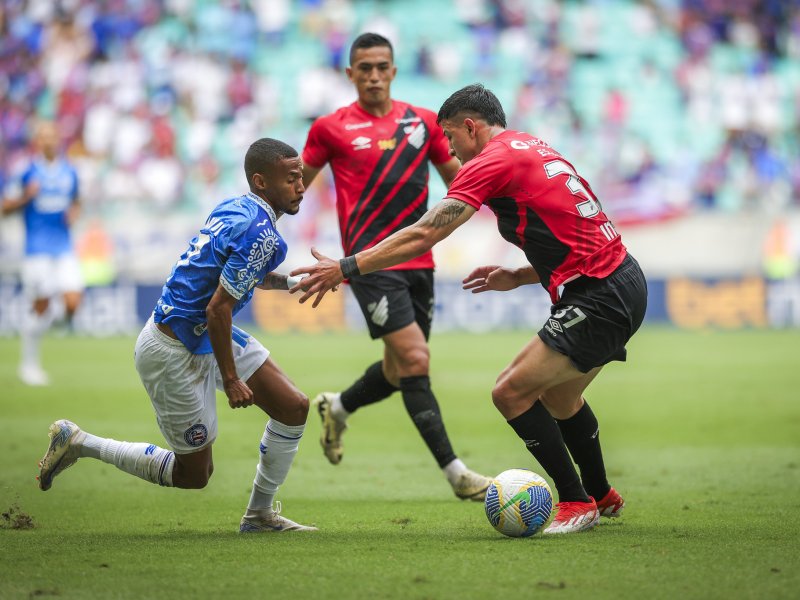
(190, 347)
(598, 291)
(378, 149)
(49, 200)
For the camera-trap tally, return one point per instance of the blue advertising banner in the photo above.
(747, 302)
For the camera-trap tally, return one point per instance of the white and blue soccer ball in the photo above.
(518, 503)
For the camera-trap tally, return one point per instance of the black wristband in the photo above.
(349, 267)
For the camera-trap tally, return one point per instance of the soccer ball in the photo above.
(518, 503)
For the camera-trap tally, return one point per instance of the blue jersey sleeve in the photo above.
(251, 255)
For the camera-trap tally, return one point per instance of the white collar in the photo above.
(260, 201)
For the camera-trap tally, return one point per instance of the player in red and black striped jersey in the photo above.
(378, 149)
(598, 291)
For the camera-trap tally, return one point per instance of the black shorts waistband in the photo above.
(629, 266)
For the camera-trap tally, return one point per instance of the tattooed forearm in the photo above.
(275, 281)
(445, 213)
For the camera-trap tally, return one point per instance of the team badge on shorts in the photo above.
(196, 435)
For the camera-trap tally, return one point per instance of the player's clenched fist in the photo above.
(239, 393)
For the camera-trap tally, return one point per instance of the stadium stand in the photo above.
(668, 107)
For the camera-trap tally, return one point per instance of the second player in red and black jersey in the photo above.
(380, 169)
(378, 149)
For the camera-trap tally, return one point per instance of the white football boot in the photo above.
(271, 522)
(33, 375)
(63, 452)
(332, 428)
(471, 486)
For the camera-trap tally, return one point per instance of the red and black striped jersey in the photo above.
(542, 206)
(380, 169)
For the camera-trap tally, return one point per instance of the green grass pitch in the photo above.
(701, 433)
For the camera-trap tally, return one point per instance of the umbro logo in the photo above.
(555, 325)
(361, 143)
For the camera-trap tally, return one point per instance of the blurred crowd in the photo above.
(666, 106)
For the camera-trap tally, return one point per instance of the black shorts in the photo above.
(595, 318)
(390, 300)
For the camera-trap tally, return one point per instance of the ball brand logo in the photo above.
(389, 144)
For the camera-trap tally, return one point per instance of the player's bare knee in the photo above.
(302, 405)
(295, 412)
(508, 398)
(414, 363)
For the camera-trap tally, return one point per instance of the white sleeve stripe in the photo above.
(230, 288)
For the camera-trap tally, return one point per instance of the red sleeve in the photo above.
(485, 176)
(439, 151)
(317, 151)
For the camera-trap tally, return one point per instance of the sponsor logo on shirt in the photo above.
(389, 144)
(527, 144)
(409, 120)
(351, 126)
(361, 143)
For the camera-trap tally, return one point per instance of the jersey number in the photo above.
(579, 315)
(587, 208)
(197, 245)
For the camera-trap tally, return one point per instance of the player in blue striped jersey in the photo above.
(190, 348)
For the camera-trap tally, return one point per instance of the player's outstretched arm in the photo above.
(499, 279)
(9, 205)
(401, 246)
(278, 281)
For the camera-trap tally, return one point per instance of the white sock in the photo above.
(454, 470)
(278, 447)
(146, 461)
(33, 328)
(337, 410)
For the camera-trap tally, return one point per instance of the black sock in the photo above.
(537, 428)
(424, 411)
(371, 387)
(581, 434)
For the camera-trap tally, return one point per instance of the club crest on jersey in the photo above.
(417, 137)
(389, 144)
(196, 435)
(361, 143)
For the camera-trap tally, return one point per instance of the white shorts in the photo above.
(182, 386)
(45, 276)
